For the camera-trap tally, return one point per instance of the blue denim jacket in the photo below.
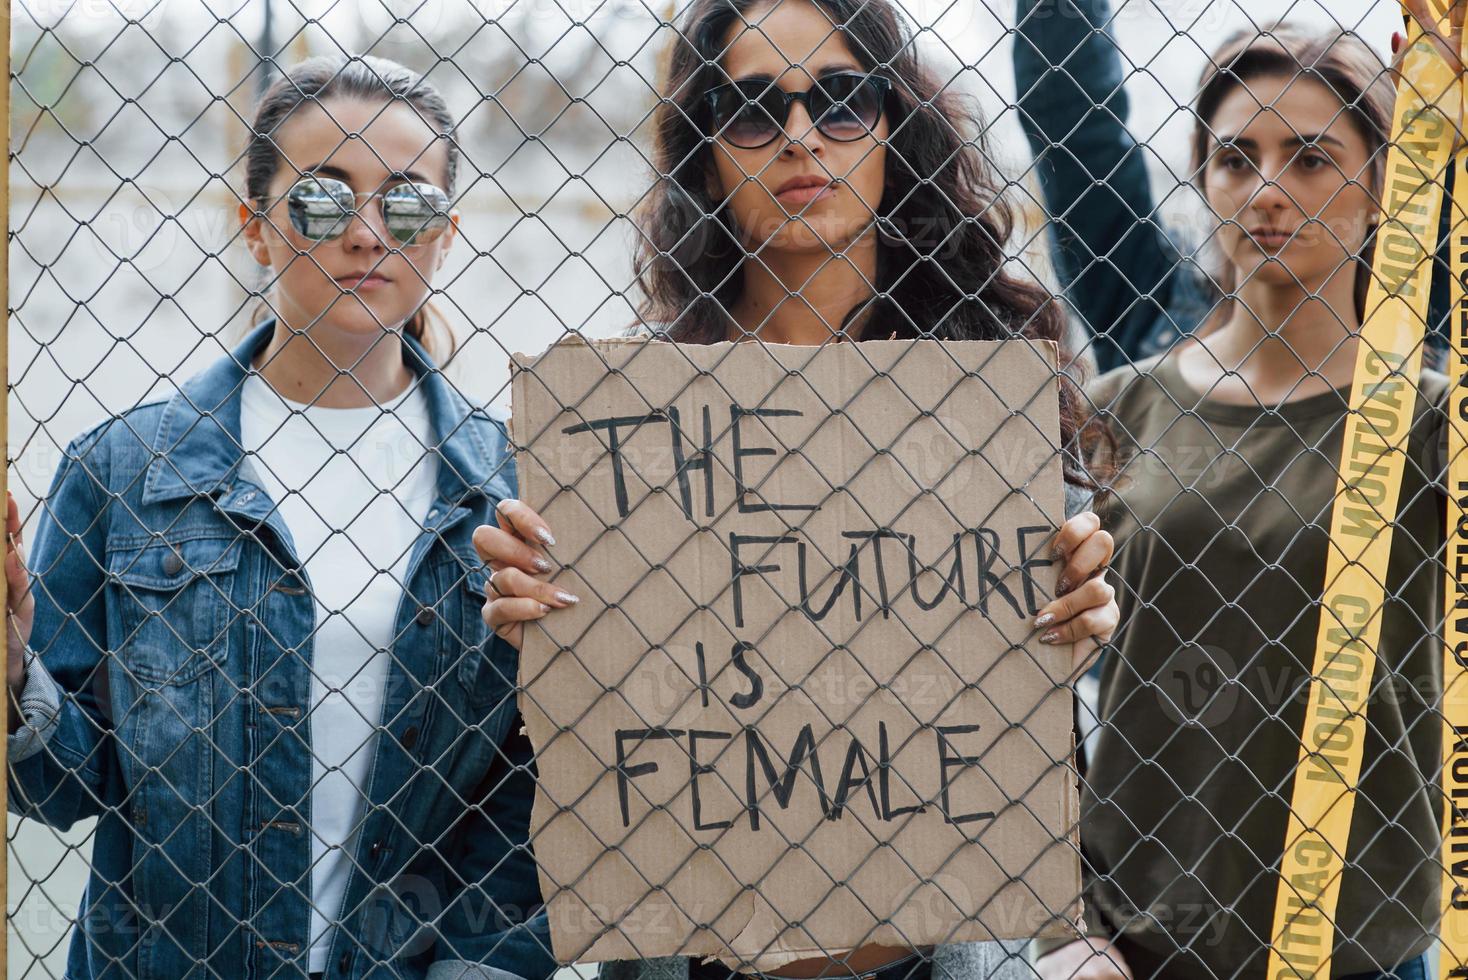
(176, 624)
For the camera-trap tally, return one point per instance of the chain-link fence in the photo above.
(881, 488)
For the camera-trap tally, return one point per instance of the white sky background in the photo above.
(91, 336)
(512, 282)
(1164, 41)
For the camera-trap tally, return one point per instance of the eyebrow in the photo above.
(1299, 139)
(838, 69)
(327, 170)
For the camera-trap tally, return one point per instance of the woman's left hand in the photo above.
(1084, 612)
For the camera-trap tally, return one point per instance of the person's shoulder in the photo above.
(457, 417)
(112, 454)
(486, 429)
(491, 421)
(117, 435)
(473, 435)
(1120, 383)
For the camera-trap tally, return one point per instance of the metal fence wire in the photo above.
(810, 488)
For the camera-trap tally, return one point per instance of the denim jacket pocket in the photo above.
(173, 602)
(484, 681)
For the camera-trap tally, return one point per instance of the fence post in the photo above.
(5, 470)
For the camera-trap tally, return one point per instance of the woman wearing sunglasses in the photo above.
(808, 196)
(258, 653)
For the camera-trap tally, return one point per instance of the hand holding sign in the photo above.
(802, 693)
(1085, 615)
(515, 595)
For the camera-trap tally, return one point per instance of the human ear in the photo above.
(250, 228)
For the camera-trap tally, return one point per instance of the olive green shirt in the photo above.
(1222, 518)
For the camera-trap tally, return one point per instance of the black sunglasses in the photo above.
(321, 208)
(845, 106)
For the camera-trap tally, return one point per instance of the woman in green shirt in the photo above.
(1229, 442)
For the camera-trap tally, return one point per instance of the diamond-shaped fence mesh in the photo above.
(791, 488)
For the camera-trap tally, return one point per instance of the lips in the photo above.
(1270, 236)
(362, 280)
(800, 190)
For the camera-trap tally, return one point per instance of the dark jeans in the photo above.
(915, 967)
(1410, 970)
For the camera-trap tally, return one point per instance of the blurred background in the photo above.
(127, 274)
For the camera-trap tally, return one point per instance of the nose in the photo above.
(367, 231)
(1267, 192)
(800, 130)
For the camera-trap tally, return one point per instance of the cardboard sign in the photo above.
(800, 707)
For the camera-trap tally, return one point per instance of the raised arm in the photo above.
(1117, 266)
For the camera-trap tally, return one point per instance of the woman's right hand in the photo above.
(1091, 958)
(512, 549)
(20, 611)
(1424, 12)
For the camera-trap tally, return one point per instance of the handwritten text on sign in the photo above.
(799, 707)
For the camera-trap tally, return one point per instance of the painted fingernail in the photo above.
(544, 609)
(567, 597)
(1062, 587)
(545, 537)
(1050, 637)
(1044, 621)
(1396, 41)
(541, 565)
(505, 503)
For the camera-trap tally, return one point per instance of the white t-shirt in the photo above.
(353, 486)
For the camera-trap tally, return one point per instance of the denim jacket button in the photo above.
(410, 738)
(172, 563)
(424, 617)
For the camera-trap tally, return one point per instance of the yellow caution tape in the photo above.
(1453, 931)
(1373, 457)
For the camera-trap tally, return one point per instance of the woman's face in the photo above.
(356, 284)
(1289, 174)
(793, 42)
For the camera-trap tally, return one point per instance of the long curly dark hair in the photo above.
(942, 224)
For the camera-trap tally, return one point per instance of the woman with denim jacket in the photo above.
(256, 651)
(1229, 426)
(816, 186)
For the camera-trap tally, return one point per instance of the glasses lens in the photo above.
(847, 106)
(748, 114)
(320, 208)
(415, 214)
